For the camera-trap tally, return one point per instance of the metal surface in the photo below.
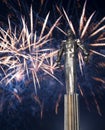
(69, 47)
(70, 65)
(71, 112)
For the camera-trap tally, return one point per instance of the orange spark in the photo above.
(57, 103)
(99, 79)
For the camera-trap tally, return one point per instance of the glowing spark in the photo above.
(80, 90)
(101, 39)
(97, 31)
(24, 53)
(99, 80)
(82, 18)
(69, 22)
(97, 44)
(17, 96)
(44, 25)
(62, 31)
(97, 105)
(40, 104)
(19, 76)
(57, 103)
(98, 53)
(86, 26)
(101, 64)
(99, 23)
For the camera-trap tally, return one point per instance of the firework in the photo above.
(25, 55)
(89, 37)
(88, 30)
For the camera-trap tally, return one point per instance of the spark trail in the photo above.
(89, 37)
(25, 55)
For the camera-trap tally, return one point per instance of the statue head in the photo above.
(70, 34)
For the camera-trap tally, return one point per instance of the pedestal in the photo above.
(71, 112)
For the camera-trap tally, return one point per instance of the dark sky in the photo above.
(23, 119)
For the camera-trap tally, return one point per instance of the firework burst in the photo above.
(88, 34)
(25, 55)
(88, 31)
(89, 38)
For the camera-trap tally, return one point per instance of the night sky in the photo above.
(26, 115)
